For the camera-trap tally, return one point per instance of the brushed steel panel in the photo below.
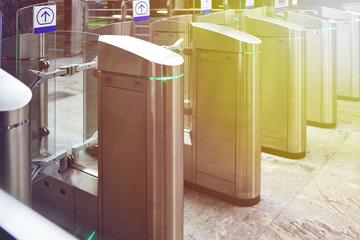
(270, 142)
(216, 119)
(343, 57)
(130, 83)
(314, 73)
(215, 183)
(124, 179)
(188, 162)
(165, 176)
(248, 146)
(274, 92)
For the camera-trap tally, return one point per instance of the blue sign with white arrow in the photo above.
(44, 19)
(141, 10)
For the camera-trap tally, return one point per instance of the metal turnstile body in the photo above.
(320, 68)
(348, 52)
(29, 56)
(355, 7)
(224, 18)
(225, 136)
(15, 154)
(283, 88)
(167, 32)
(141, 137)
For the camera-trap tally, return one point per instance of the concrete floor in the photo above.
(317, 197)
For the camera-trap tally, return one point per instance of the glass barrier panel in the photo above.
(72, 96)
(36, 52)
(101, 13)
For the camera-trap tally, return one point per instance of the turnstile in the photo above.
(283, 88)
(355, 7)
(225, 136)
(141, 135)
(320, 68)
(174, 32)
(348, 52)
(224, 18)
(18, 64)
(15, 155)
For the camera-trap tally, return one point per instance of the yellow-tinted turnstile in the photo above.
(320, 67)
(283, 88)
(225, 148)
(348, 52)
(141, 135)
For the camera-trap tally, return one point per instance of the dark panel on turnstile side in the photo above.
(124, 116)
(216, 114)
(274, 89)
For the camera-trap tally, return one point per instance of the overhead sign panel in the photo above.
(44, 19)
(281, 5)
(250, 4)
(141, 10)
(205, 6)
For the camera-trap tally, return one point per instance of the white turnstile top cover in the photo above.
(272, 27)
(216, 37)
(13, 93)
(309, 21)
(129, 55)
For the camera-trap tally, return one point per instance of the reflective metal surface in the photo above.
(348, 52)
(138, 57)
(140, 140)
(15, 156)
(28, 57)
(224, 18)
(20, 222)
(225, 137)
(283, 88)
(320, 67)
(166, 32)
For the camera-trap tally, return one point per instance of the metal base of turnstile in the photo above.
(284, 154)
(321, 125)
(236, 201)
(346, 98)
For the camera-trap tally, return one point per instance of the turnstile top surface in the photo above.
(339, 14)
(272, 27)
(216, 37)
(13, 93)
(309, 21)
(355, 7)
(133, 56)
(172, 24)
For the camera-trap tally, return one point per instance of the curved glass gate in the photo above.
(51, 64)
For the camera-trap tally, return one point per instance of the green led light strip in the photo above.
(248, 53)
(91, 236)
(165, 78)
(356, 20)
(330, 28)
(236, 18)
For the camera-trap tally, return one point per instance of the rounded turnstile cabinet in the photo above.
(283, 85)
(347, 52)
(141, 136)
(225, 136)
(320, 67)
(15, 155)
